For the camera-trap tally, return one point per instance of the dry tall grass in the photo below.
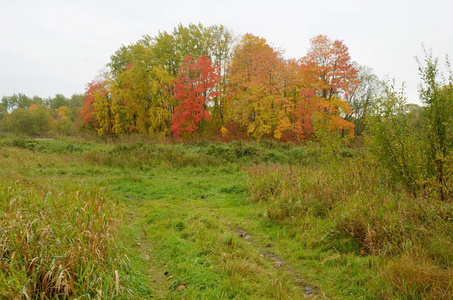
(57, 244)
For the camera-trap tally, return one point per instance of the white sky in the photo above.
(49, 47)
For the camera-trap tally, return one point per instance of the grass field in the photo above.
(140, 220)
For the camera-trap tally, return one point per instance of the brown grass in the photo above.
(55, 244)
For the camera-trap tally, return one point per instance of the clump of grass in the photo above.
(292, 191)
(413, 276)
(58, 244)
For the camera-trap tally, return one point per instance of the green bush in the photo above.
(23, 121)
(417, 145)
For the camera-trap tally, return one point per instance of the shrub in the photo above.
(417, 152)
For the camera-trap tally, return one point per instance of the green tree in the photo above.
(42, 120)
(3, 111)
(37, 120)
(58, 101)
(218, 42)
(416, 143)
(363, 97)
(15, 101)
(75, 104)
(37, 100)
(19, 121)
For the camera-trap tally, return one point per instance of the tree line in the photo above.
(38, 116)
(202, 81)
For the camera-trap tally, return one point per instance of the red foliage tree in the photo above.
(87, 113)
(195, 90)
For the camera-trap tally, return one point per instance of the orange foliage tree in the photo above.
(329, 78)
(88, 113)
(254, 84)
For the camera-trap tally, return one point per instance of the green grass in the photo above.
(212, 221)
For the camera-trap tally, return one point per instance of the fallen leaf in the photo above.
(180, 287)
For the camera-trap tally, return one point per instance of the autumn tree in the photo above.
(163, 105)
(169, 49)
(103, 112)
(258, 90)
(332, 66)
(295, 118)
(142, 95)
(330, 74)
(88, 113)
(142, 76)
(96, 111)
(131, 94)
(194, 90)
(254, 86)
(62, 123)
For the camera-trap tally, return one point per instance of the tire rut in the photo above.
(309, 291)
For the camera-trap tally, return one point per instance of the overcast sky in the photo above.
(49, 47)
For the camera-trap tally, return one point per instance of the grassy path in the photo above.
(188, 229)
(190, 233)
(199, 239)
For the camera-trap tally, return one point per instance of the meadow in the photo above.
(130, 218)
